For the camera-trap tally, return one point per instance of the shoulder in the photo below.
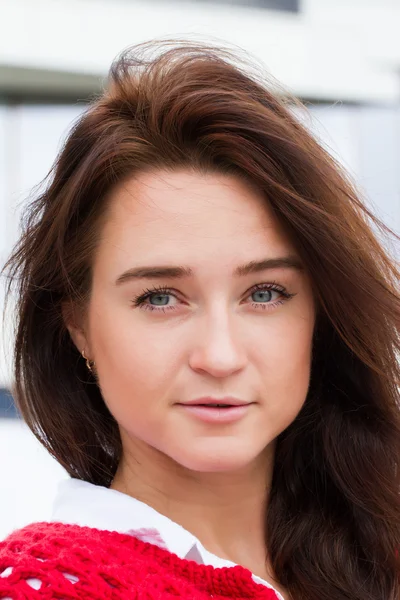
(37, 557)
(66, 559)
(56, 560)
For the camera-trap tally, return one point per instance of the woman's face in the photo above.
(187, 303)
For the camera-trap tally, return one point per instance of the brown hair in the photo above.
(333, 519)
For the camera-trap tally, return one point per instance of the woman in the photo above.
(207, 341)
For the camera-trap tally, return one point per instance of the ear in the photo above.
(74, 322)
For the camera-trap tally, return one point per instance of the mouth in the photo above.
(219, 402)
(211, 405)
(216, 412)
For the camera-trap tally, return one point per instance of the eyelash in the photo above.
(139, 301)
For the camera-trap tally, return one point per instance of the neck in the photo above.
(225, 511)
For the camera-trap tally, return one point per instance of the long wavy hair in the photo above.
(332, 525)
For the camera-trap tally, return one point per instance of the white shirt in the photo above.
(81, 503)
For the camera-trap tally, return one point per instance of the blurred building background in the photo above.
(342, 57)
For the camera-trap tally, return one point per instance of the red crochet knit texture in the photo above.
(53, 560)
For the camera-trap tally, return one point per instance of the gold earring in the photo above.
(89, 363)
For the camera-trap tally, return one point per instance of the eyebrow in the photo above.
(182, 272)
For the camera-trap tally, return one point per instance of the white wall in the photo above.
(345, 49)
(4, 246)
(30, 138)
(366, 140)
(28, 477)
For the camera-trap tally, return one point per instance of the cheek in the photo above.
(286, 343)
(286, 367)
(133, 361)
(291, 360)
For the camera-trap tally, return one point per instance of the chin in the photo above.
(216, 459)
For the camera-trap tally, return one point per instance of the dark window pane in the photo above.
(7, 406)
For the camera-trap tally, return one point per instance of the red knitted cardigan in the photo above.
(67, 562)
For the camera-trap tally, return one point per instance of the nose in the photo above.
(217, 349)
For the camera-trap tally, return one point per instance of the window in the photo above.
(283, 5)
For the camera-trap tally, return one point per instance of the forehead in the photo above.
(211, 223)
(188, 216)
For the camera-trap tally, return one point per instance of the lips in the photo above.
(217, 411)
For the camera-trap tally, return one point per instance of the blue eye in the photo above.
(159, 299)
(263, 295)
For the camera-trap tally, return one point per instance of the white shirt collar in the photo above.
(95, 506)
(81, 503)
